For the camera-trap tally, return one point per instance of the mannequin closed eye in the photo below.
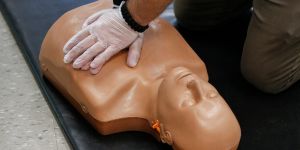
(182, 75)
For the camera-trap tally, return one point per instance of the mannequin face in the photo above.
(194, 113)
(186, 90)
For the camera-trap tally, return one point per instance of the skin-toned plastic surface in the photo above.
(167, 94)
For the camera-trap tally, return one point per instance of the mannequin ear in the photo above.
(165, 136)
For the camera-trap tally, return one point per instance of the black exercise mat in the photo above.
(267, 121)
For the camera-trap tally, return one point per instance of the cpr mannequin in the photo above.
(167, 95)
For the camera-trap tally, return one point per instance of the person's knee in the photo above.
(264, 77)
(270, 59)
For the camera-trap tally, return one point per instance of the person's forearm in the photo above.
(144, 11)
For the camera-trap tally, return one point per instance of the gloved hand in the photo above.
(104, 34)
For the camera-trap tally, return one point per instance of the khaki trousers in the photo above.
(271, 55)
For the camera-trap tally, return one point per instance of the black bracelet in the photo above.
(117, 3)
(130, 21)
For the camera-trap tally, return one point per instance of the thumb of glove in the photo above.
(135, 51)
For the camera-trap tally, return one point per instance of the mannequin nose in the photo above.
(202, 90)
(195, 89)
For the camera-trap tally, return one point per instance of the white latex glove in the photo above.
(104, 34)
(91, 19)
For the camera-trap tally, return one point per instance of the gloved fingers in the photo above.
(88, 55)
(80, 48)
(78, 37)
(102, 58)
(94, 71)
(93, 18)
(135, 51)
(86, 66)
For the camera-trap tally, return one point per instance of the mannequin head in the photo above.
(189, 106)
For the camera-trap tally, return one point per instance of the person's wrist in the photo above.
(130, 19)
(117, 3)
(132, 9)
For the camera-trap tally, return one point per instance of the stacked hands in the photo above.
(103, 35)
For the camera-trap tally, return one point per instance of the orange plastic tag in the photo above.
(156, 125)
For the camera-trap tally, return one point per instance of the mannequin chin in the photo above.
(167, 94)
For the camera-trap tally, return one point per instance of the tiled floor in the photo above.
(26, 122)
